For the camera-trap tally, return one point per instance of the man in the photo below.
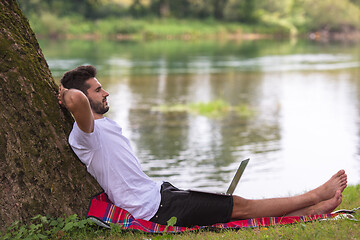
(109, 158)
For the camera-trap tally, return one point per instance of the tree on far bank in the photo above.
(291, 15)
(39, 172)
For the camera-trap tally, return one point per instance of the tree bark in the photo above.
(39, 172)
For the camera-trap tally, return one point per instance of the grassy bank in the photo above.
(74, 227)
(75, 27)
(190, 19)
(48, 25)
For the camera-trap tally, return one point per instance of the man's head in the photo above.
(77, 78)
(83, 79)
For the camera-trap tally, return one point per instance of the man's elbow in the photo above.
(76, 99)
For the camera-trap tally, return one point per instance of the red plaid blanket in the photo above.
(103, 212)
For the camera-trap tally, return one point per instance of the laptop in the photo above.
(234, 181)
(237, 177)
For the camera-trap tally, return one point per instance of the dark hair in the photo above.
(77, 77)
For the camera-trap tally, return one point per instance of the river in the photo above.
(301, 100)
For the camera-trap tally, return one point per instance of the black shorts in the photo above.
(192, 207)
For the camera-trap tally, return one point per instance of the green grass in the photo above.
(74, 227)
(213, 109)
(48, 25)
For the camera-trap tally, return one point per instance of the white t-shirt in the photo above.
(110, 159)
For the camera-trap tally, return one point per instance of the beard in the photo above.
(98, 107)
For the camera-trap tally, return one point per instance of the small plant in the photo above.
(43, 227)
(214, 109)
(171, 222)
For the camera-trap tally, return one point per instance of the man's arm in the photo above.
(78, 104)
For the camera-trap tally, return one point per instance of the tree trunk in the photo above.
(164, 8)
(39, 172)
(219, 6)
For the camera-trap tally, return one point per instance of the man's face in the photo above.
(97, 96)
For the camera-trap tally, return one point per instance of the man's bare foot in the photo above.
(323, 207)
(337, 182)
(327, 206)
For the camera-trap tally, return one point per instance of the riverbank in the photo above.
(73, 227)
(47, 26)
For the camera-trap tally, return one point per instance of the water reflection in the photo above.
(200, 145)
(304, 96)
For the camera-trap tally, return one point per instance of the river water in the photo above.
(302, 99)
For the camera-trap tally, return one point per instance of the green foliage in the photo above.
(177, 28)
(43, 227)
(240, 10)
(99, 17)
(90, 9)
(214, 109)
(115, 26)
(356, 2)
(49, 24)
(331, 15)
(172, 221)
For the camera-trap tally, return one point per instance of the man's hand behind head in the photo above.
(62, 92)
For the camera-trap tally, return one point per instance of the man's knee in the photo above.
(241, 208)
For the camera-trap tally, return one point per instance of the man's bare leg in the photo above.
(244, 208)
